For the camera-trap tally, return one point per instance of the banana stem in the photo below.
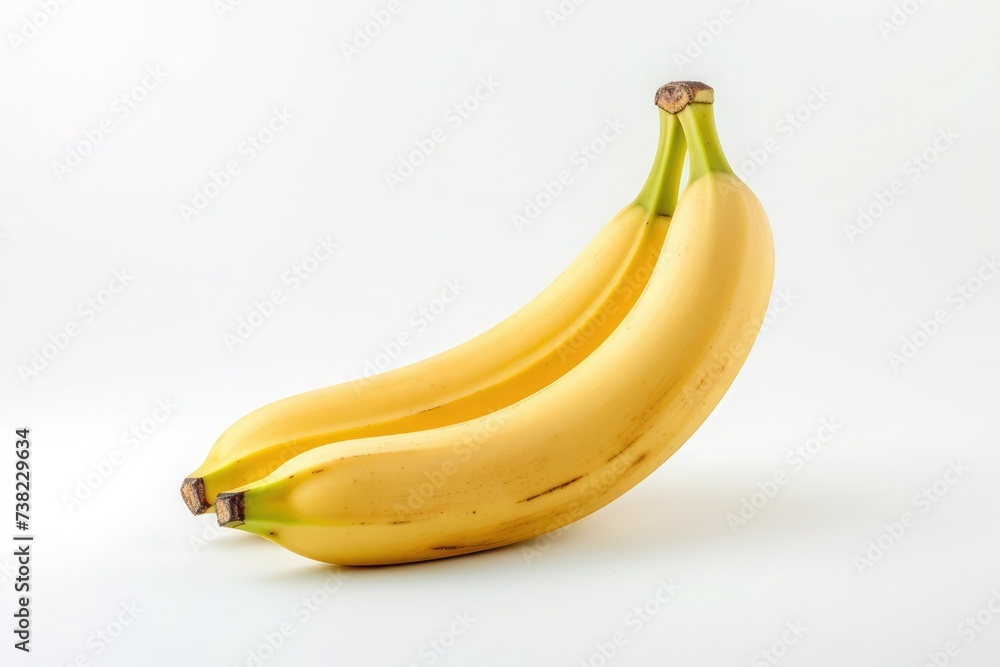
(698, 121)
(659, 194)
(193, 492)
(691, 102)
(230, 509)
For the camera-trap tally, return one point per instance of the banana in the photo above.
(562, 453)
(514, 359)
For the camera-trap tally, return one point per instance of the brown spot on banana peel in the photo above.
(554, 488)
(474, 547)
(642, 420)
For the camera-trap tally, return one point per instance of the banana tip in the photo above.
(230, 509)
(676, 95)
(193, 493)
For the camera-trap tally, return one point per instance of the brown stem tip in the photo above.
(230, 509)
(193, 493)
(674, 96)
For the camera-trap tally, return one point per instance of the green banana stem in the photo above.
(659, 194)
(698, 121)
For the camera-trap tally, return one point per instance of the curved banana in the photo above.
(568, 450)
(511, 361)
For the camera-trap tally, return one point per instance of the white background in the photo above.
(209, 598)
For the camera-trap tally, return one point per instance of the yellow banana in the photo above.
(571, 448)
(514, 359)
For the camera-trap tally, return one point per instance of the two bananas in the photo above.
(539, 421)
